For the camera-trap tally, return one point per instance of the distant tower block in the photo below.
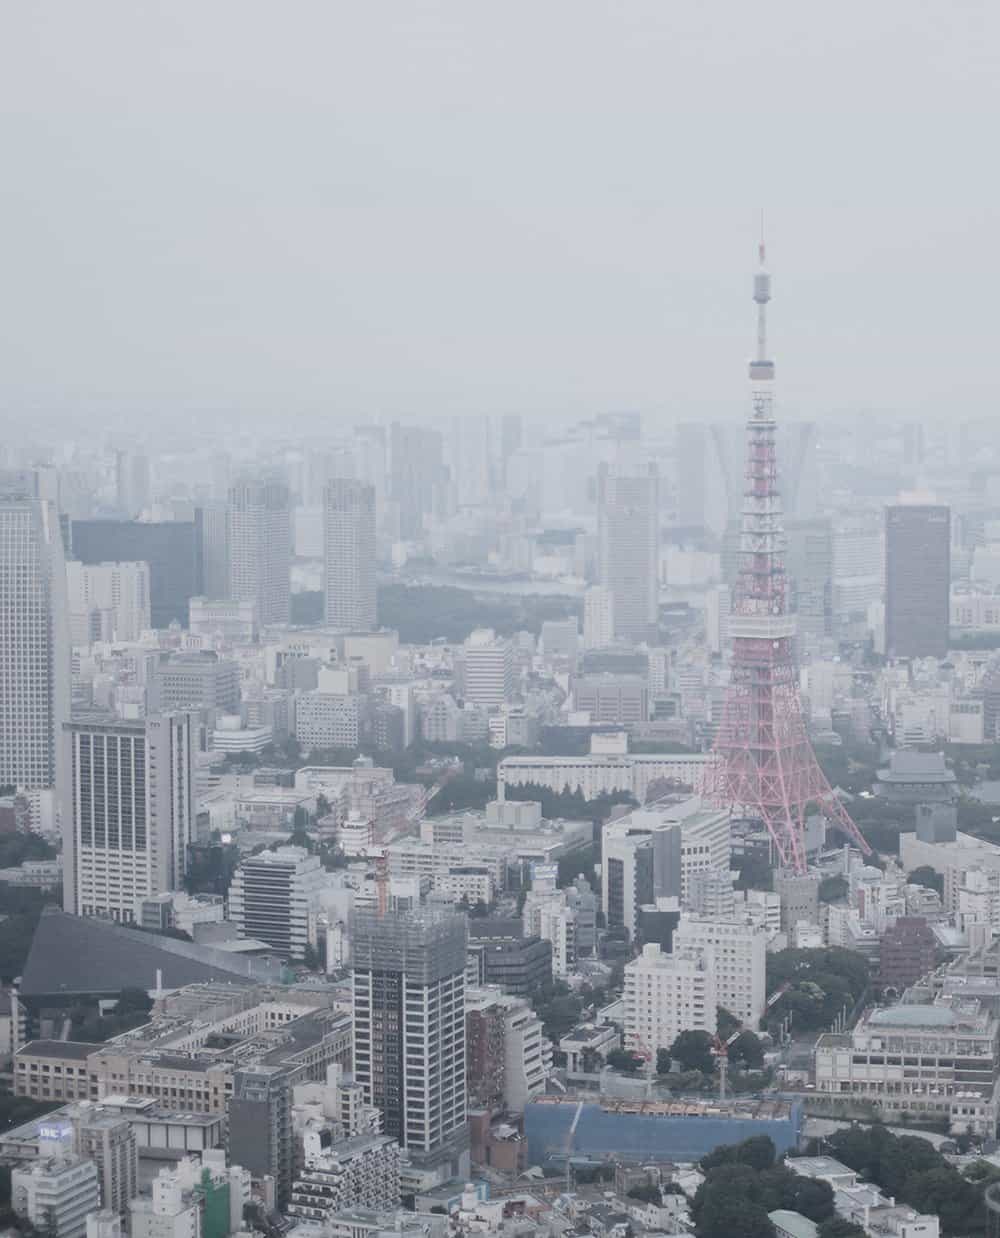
(767, 768)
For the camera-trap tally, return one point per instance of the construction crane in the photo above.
(720, 1047)
(570, 1134)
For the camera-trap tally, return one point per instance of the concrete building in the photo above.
(170, 1211)
(487, 669)
(260, 547)
(260, 1125)
(129, 814)
(620, 700)
(170, 547)
(272, 897)
(224, 620)
(409, 1033)
(56, 1194)
(327, 720)
(799, 894)
(598, 618)
(666, 994)
(349, 554)
(506, 1026)
(110, 1142)
(653, 853)
(107, 601)
(937, 1062)
(738, 950)
(628, 549)
(198, 681)
(34, 635)
(603, 773)
(917, 580)
(361, 1171)
(907, 952)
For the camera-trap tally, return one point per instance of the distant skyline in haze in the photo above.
(421, 209)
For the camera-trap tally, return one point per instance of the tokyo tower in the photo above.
(765, 766)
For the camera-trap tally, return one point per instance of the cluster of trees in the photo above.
(693, 1052)
(570, 804)
(423, 613)
(926, 876)
(911, 1170)
(561, 1008)
(821, 983)
(132, 1010)
(833, 889)
(744, 1182)
(16, 848)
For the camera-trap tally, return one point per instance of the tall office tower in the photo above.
(917, 580)
(739, 951)
(349, 554)
(128, 812)
(260, 1126)
(132, 484)
(109, 1140)
(470, 464)
(858, 565)
(170, 547)
(487, 668)
(273, 896)
(766, 767)
(35, 669)
(212, 521)
(809, 566)
(628, 527)
(260, 547)
(107, 601)
(409, 1032)
(598, 618)
(416, 475)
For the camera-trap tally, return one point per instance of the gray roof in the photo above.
(74, 954)
(906, 765)
(78, 1049)
(914, 1016)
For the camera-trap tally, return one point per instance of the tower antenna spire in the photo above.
(765, 767)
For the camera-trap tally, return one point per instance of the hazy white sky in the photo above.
(492, 205)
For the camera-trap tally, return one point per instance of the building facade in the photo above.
(260, 547)
(917, 580)
(129, 812)
(273, 895)
(629, 550)
(349, 554)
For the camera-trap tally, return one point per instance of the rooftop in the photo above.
(78, 1049)
(914, 1016)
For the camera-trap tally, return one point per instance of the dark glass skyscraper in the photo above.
(917, 580)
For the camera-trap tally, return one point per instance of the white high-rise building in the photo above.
(628, 528)
(260, 547)
(56, 1194)
(35, 655)
(107, 601)
(488, 663)
(409, 1033)
(598, 618)
(128, 812)
(738, 949)
(666, 994)
(349, 554)
(274, 896)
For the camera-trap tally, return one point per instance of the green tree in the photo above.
(663, 1061)
(694, 1051)
(928, 877)
(726, 1023)
(622, 1060)
(833, 889)
(646, 1194)
(310, 957)
(838, 1227)
(746, 1048)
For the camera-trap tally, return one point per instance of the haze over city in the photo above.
(499, 621)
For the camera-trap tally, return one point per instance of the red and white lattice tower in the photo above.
(766, 767)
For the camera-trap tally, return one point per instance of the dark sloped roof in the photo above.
(74, 954)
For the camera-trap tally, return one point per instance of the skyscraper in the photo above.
(917, 580)
(128, 812)
(598, 618)
(260, 547)
(212, 521)
(416, 475)
(34, 635)
(349, 554)
(628, 549)
(409, 1032)
(809, 564)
